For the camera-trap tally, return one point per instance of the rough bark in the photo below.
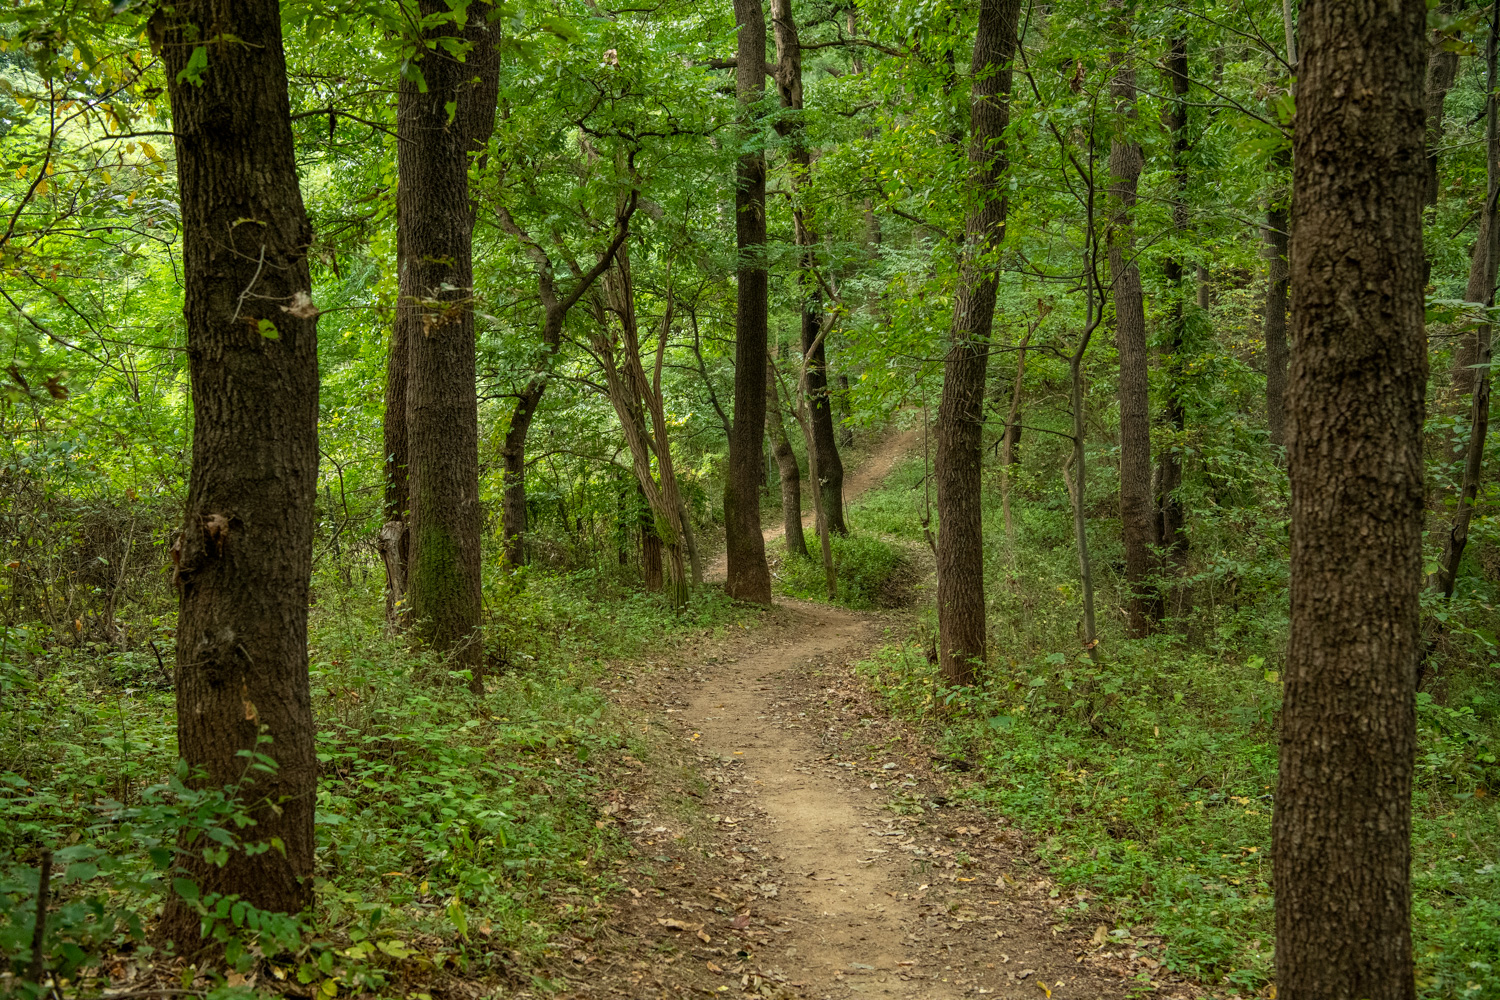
(960, 543)
(555, 308)
(1136, 520)
(1277, 355)
(748, 577)
(789, 89)
(1342, 822)
(786, 465)
(435, 212)
(245, 552)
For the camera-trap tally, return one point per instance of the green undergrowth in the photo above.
(455, 836)
(871, 572)
(1147, 780)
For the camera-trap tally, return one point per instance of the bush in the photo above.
(872, 573)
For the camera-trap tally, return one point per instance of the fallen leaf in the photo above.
(1101, 935)
(705, 938)
(740, 922)
(1043, 987)
(714, 968)
(677, 925)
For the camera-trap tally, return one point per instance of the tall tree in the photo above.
(1170, 534)
(1342, 823)
(555, 308)
(1277, 240)
(960, 543)
(1479, 404)
(790, 126)
(786, 465)
(447, 116)
(748, 577)
(1136, 520)
(244, 556)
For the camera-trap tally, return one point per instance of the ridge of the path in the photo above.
(812, 851)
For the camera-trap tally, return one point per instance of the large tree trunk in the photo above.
(245, 552)
(1170, 533)
(1276, 242)
(435, 211)
(1342, 822)
(1136, 521)
(748, 577)
(960, 543)
(786, 464)
(789, 88)
(1442, 69)
(513, 468)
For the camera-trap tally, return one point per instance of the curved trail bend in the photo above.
(818, 856)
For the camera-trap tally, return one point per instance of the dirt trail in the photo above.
(820, 856)
(865, 476)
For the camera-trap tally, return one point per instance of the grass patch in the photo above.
(871, 572)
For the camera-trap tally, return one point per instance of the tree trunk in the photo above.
(393, 544)
(844, 427)
(1481, 286)
(513, 468)
(789, 88)
(960, 543)
(786, 464)
(437, 216)
(1276, 242)
(555, 310)
(1125, 162)
(1442, 69)
(1479, 409)
(245, 552)
(1169, 533)
(1342, 822)
(748, 577)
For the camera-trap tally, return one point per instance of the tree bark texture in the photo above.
(1170, 534)
(789, 89)
(437, 217)
(786, 465)
(748, 577)
(1276, 243)
(245, 552)
(1136, 513)
(960, 424)
(555, 308)
(1342, 822)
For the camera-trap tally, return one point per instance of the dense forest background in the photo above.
(1133, 617)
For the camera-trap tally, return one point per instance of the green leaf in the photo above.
(196, 64)
(268, 330)
(186, 888)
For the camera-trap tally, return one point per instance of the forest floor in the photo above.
(792, 840)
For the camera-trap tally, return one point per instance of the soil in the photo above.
(792, 840)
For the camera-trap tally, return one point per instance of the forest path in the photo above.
(812, 851)
(868, 474)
